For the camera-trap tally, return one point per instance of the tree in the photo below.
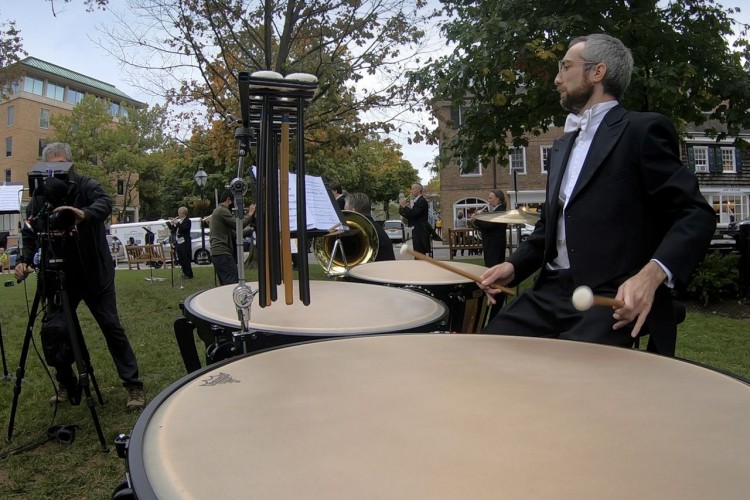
(505, 60)
(112, 151)
(193, 50)
(11, 49)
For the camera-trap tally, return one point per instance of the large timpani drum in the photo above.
(446, 417)
(336, 309)
(466, 302)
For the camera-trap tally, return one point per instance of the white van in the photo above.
(134, 233)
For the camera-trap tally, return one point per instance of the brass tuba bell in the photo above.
(356, 246)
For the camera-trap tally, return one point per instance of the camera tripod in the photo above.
(51, 286)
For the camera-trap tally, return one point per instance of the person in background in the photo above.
(181, 226)
(338, 194)
(622, 215)
(360, 203)
(4, 261)
(416, 214)
(494, 238)
(494, 234)
(222, 238)
(87, 262)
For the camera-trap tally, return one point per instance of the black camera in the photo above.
(62, 220)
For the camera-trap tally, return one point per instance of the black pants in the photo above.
(547, 311)
(184, 252)
(103, 306)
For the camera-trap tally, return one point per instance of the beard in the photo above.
(574, 100)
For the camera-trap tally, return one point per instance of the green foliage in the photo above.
(505, 61)
(717, 276)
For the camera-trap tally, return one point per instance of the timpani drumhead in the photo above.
(336, 308)
(413, 272)
(446, 417)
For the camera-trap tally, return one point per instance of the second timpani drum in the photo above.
(466, 302)
(337, 309)
(446, 417)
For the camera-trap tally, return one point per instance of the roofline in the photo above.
(83, 80)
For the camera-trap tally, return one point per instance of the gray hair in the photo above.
(359, 202)
(610, 51)
(182, 209)
(57, 148)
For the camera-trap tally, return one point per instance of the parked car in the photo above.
(397, 231)
(526, 230)
(12, 252)
(733, 228)
(116, 249)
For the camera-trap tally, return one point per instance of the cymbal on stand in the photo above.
(515, 216)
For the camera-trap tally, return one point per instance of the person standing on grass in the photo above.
(90, 276)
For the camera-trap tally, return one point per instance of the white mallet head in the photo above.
(583, 298)
(404, 249)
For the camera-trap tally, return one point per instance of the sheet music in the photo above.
(320, 212)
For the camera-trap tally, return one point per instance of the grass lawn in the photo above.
(148, 311)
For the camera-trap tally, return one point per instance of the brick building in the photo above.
(40, 91)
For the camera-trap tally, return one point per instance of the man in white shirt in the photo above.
(622, 215)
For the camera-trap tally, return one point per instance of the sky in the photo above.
(69, 40)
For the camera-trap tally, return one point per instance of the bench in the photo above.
(464, 239)
(148, 255)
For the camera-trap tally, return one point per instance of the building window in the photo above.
(701, 158)
(15, 87)
(8, 146)
(8, 174)
(11, 118)
(42, 145)
(469, 168)
(727, 160)
(55, 91)
(120, 187)
(33, 85)
(544, 152)
(518, 160)
(44, 118)
(74, 96)
(114, 109)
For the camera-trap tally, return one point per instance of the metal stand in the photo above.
(81, 357)
(6, 375)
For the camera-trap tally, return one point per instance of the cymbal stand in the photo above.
(57, 293)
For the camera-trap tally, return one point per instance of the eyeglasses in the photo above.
(563, 65)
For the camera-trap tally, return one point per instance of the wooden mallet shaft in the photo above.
(457, 270)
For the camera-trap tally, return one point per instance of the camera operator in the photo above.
(82, 202)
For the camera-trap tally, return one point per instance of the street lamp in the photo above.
(201, 256)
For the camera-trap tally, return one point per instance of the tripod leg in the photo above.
(2, 353)
(76, 341)
(22, 363)
(87, 359)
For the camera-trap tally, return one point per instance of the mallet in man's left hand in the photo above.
(583, 299)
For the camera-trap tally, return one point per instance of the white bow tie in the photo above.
(575, 122)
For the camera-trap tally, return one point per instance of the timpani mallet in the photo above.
(457, 270)
(583, 299)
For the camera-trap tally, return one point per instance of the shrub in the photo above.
(716, 277)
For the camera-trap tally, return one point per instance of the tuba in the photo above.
(358, 245)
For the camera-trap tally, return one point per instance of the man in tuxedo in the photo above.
(622, 215)
(181, 227)
(416, 216)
